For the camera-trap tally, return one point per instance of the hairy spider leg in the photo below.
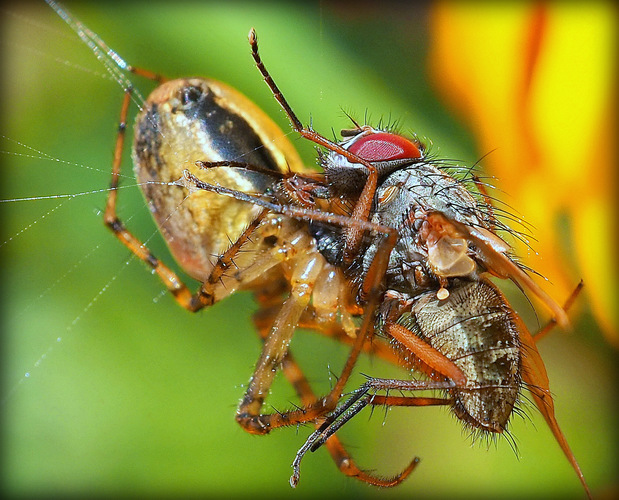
(248, 414)
(361, 210)
(295, 376)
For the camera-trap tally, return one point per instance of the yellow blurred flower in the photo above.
(536, 82)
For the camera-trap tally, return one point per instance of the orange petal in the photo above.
(535, 81)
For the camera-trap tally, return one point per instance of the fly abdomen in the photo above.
(475, 328)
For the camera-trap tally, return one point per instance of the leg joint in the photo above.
(254, 424)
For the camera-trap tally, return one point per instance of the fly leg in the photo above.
(361, 398)
(338, 452)
(445, 373)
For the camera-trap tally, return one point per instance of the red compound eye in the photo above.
(383, 147)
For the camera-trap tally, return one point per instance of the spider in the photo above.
(373, 252)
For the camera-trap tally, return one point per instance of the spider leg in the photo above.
(553, 322)
(278, 340)
(308, 321)
(193, 302)
(275, 348)
(151, 75)
(361, 211)
(340, 456)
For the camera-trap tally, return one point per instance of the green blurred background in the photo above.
(128, 393)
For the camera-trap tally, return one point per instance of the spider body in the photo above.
(187, 120)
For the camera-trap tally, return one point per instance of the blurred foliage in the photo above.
(109, 387)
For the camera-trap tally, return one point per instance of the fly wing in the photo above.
(535, 377)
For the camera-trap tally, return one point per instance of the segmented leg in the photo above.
(553, 322)
(445, 373)
(363, 205)
(205, 295)
(190, 181)
(334, 330)
(151, 75)
(248, 413)
(359, 400)
(275, 349)
(432, 363)
(299, 382)
(340, 456)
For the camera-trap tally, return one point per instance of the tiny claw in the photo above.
(252, 35)
(294, 480)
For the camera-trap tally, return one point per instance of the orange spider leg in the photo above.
(151, 75)
(302, 283)
(376, 347)
(342, 459)
(553, 322)
(181, 293)
(363, 205)
(248, 414)
(275, 349)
